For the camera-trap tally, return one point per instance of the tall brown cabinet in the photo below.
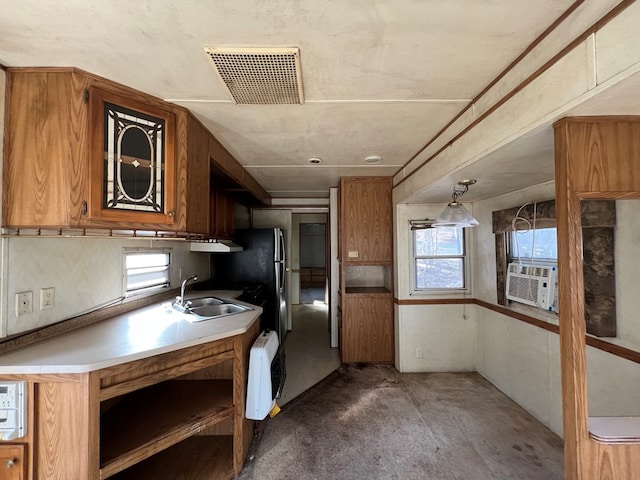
(366, 270)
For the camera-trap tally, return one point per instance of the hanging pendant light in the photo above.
(455, 215)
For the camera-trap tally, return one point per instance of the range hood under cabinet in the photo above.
(215, 246)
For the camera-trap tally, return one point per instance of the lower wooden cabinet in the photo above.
(175, 415)
(367, 326)
(13, 462)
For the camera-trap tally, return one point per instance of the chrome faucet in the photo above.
(180, 300)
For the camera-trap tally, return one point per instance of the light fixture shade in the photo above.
(455, 215)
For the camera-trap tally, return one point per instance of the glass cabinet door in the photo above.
(132, 161)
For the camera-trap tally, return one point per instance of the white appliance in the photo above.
(535, 285)
(266, 375)
(13, 403)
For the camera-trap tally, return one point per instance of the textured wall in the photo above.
(85, 272)
(523, 360)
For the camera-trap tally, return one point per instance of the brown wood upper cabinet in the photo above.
(223, 221)
(132, 156)
(366, 220)
(82, 151)
(194, 179)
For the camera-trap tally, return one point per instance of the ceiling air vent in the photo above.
(260, 76)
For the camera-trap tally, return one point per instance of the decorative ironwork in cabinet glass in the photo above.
(134, 160)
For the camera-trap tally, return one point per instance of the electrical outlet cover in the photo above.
(47, 298)
(24, 303)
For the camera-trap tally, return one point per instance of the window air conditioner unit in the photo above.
(534, 285)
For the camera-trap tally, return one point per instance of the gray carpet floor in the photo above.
(375, 423)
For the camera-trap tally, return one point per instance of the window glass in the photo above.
(146, 270)
(439, 273)
(439, 241)
(439, 258)
(539, 244)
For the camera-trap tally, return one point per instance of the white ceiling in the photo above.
(380, 77)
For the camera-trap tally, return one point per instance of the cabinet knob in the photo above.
(11, 462)
(84, 208)
(172, 214)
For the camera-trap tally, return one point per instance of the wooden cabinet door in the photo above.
(196, 182)
(367, 329)
(133, 161)
(82, 151)
(46, 174)
(13, 462)
(222, 215)
(366, 219)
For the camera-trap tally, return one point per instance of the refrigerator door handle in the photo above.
(281, 247)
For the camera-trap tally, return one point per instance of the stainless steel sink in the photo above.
(205, 302)
(208, 308)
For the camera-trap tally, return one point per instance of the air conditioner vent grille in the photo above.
(260, 76)
(524, 289)
(533, 285)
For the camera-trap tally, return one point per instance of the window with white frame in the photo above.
(439, 259)
(146, 270)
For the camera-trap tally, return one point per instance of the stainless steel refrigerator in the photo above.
(262, 263)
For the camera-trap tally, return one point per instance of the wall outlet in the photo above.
(24, 303)
(47, 298)
(419, 352)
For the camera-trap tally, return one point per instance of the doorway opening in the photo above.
(313, 263)
(310, 357)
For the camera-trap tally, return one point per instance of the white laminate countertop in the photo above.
(140, 333)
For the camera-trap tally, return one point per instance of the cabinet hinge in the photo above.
(85, 95)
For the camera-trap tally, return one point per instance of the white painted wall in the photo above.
(446, 333)
(523, 362)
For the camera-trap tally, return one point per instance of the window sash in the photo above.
(519, 243)
(146, 271)
(452, 264)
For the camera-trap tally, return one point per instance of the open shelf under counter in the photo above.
(201, 457)
(143, 423)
